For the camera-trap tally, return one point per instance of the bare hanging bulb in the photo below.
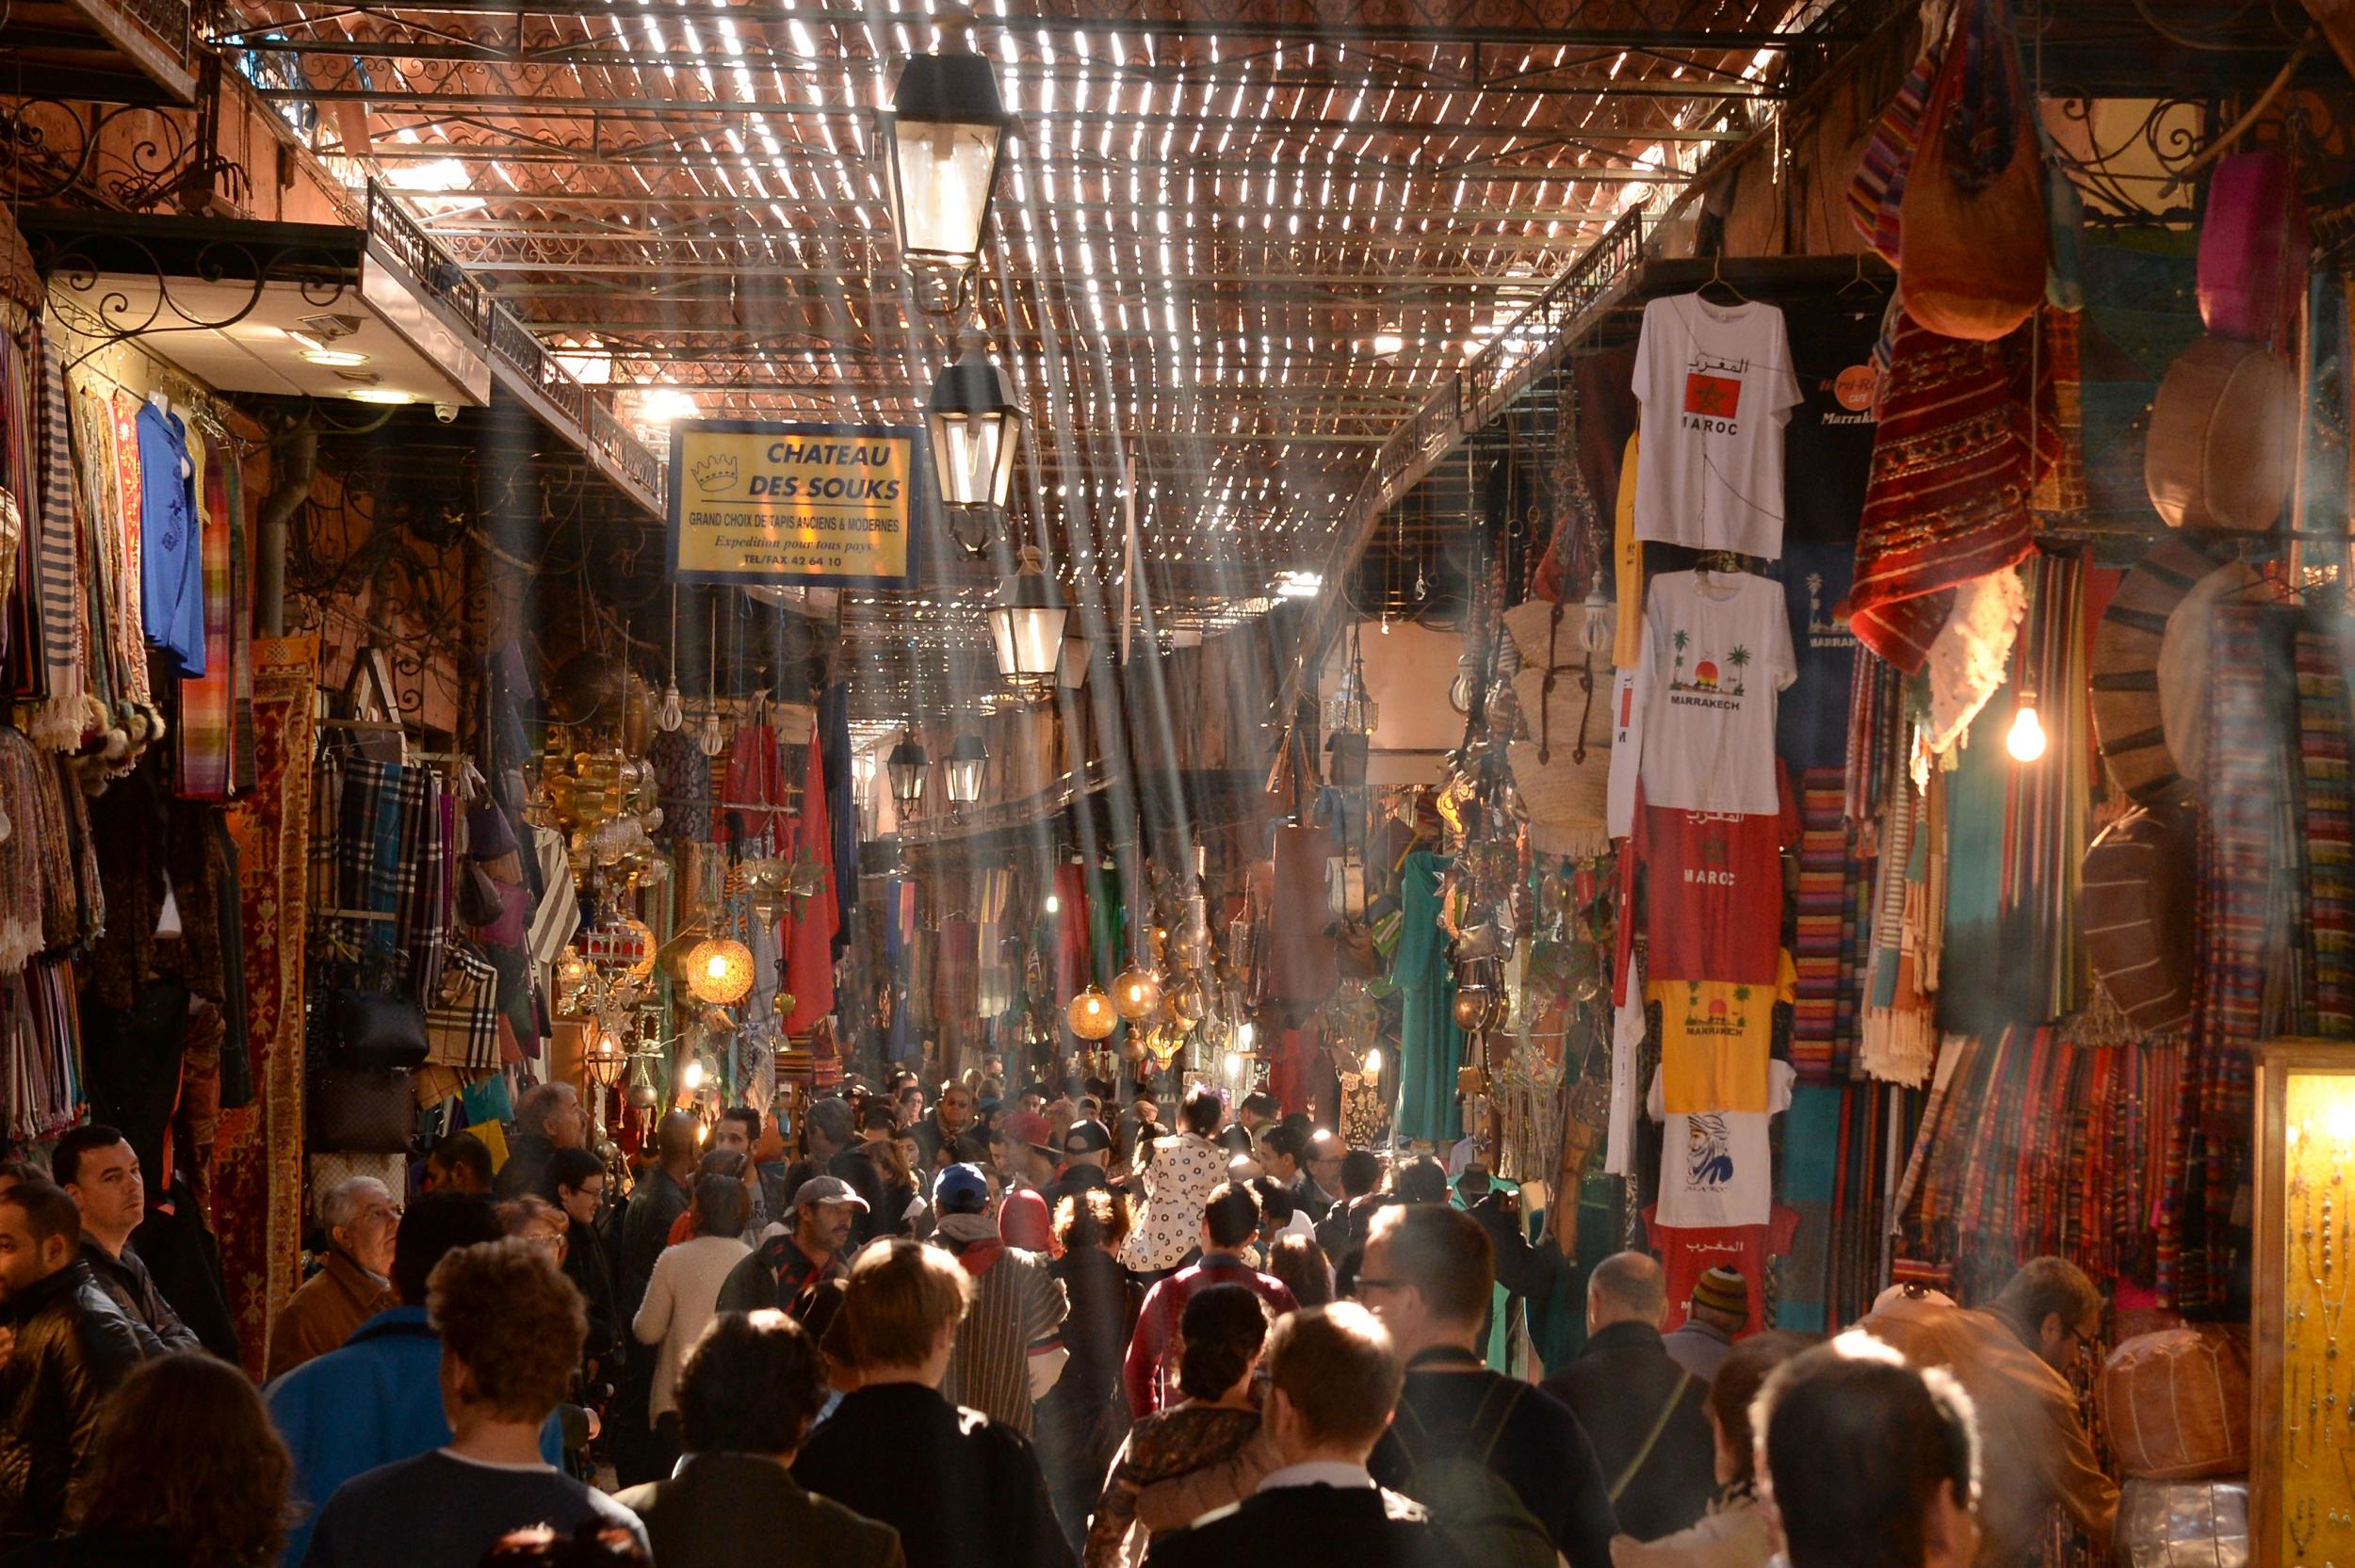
(669, 716)
(1601, 629)
(711, 742)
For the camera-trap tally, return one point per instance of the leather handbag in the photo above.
(2253, 246)
(361, 1111)
(376, 1029)
(1975, 245)
(2223, 437)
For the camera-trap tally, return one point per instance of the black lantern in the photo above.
(942, 142)
(968, 759)
(976, 429)
(1027, 623)
(907, 766)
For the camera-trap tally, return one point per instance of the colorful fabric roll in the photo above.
(2322, 754)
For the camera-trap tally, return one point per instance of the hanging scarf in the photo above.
(69, 713)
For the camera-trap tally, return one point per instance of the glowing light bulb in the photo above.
(693, 1075)
(1373, 1064)
(1234, 1065)
(717, 966)
(670, 718)
(1055, 904)
(2026, 740)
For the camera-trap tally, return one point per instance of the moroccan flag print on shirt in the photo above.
(1716, 1040)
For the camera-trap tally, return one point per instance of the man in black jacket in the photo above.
(746, 1398)
(548, 1117)
(1335, 1378)
(963, 1490)
(644, 1230)
(100, 1172)
(1644, 1415)
(1427, 1274)
(70, 1344)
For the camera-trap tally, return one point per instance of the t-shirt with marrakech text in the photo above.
(440, 1511)
(1717, 654)
(1716, 384)
(1716, 1042)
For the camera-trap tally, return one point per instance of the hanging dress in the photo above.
(1431, 1047)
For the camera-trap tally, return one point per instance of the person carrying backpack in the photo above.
(1505, 1467)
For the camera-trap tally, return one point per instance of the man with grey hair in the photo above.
(1646, 1415)
(548, 1117)
(359, 1220)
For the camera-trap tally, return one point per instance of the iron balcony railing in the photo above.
(503, 335)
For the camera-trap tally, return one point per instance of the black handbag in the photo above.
(376, 1030)
(361, 1111)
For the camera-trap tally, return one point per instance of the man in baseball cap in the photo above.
(800, 1273)
(1086, 1145)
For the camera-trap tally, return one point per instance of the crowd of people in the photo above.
(977, 1331)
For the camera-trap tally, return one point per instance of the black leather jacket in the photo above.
(73, 1345)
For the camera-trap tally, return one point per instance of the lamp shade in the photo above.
(602, 1058)
(1137, 993)
(1091, 1015)
(976, 429)
(1027, 622)
(719, 972)
(905, 767)
(968, 759)
(941, 143)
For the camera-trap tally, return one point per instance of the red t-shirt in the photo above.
(1713, 902)
(1687, 1255)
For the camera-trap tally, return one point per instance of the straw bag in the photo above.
(1974, 238)
(1563, 771)
(2223, 432)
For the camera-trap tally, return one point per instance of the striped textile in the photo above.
(203, 735)
(1017, 1303)
(64, 636)
(1877, 193)
(2322, 723)
(1824, 866)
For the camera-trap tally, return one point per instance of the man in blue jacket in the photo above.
(378, 1399)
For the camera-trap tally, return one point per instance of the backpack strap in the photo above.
(1659, 1425)
(1496, 1408)
(1412, 1435)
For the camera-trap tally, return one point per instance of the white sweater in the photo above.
(680, 1298)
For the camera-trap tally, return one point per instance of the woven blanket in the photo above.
(1825, 870)
(1948, 495)
(259, 1155)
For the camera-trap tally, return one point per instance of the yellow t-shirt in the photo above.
(1627, 557)
(1716, 1039)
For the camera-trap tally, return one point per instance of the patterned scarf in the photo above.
(69, 713)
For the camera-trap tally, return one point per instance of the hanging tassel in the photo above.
(1601, 627)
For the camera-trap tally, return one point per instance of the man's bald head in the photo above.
(676, 1143)
(1626, 1287)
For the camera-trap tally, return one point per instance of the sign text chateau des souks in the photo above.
(822, 505)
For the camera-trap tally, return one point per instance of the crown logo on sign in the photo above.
(716, 472)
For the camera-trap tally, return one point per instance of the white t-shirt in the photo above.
(1718, 1169)
(1702, 708)
(1716, 384)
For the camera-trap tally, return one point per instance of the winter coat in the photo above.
(73, 1345)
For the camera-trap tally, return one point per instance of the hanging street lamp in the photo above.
(907, 766)
(976, 429)
(1027, 623)
(968, 758)
(942, 142)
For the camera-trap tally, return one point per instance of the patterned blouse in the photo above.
(1185, 1168)
(1177, 1442)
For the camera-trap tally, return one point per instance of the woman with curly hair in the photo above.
(186, 1473)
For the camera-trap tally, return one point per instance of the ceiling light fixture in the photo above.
(942, 140)
(976, 428)
(335, 358)
(384, 394)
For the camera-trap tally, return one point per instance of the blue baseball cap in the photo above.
(960, 1189)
